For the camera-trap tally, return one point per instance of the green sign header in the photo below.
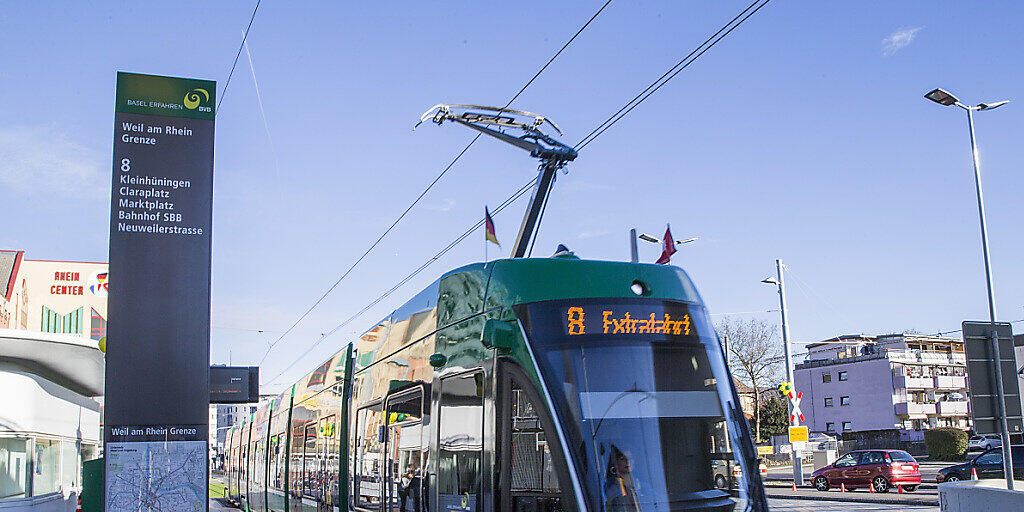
(165, 96)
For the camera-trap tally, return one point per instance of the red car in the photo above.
(884, 469)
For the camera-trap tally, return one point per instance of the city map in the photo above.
(163, 476)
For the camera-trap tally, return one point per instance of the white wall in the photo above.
(32, 404)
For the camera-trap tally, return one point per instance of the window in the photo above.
(847, 425)
(368, 456)
(532, 479)
(872, 458)
(460, 442)
(13, 467)
(405, 449)
(826, 377)
(828, 401)
(46, 470)
(830, 427)
(842, 375)
(993, 457)
(850, 459)
(844, 400)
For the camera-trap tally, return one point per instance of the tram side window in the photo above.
(460, 442)
(368, 458)
(310, 464)
(295, 464)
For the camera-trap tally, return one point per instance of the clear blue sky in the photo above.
(803, 136)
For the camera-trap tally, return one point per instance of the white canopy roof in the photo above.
(70, 361)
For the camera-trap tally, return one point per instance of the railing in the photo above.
(923, 356)
(952, 408)
(950, 382)
(902, 381)
(909, 408)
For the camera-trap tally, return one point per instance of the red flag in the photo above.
(668, 246)
(490, 236)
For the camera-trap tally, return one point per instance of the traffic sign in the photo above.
(981, 376)
(797, 434)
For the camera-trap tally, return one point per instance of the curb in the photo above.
(782, 485)
(883, 501)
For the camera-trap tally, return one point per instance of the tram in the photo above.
(522, 385)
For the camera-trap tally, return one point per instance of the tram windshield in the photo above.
(634, 383)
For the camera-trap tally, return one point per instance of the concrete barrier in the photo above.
(980, 495)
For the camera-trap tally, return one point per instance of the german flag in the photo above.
(489, 235)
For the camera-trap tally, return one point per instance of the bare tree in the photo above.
(755, 355)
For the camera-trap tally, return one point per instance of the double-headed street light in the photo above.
(798, 470)
(633, 253)
(946, 99)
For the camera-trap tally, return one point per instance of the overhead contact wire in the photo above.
(511, 199)
(429, 187)
(224, 91)
(685, 62)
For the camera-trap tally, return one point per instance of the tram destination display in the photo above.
(234, 384)
(640, 319)
(158, 346)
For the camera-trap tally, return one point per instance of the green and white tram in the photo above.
(523, 385)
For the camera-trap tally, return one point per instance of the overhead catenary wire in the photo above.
(511, 199)
(430, 186)
(245, 35)
(690, 58)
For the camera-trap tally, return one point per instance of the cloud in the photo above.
(445, 205)
(899, 40)
(593, 233)
(42, 160)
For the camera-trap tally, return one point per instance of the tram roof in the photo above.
(520, 280)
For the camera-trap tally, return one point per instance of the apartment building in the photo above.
(895, 381)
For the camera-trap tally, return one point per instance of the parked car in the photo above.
(988, 464)
(727, 473)
(985, 442)
(883, 469)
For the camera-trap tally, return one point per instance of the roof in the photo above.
(73, 362)
(9, 261)
(741, 387)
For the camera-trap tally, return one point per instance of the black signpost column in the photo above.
(158, 344)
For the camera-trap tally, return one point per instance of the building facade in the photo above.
(60, 297)
(898, 381)
(52, 316)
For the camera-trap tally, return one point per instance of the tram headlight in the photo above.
(638, 287)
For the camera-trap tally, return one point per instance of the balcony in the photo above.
(913, 409)
(902, 381)
(950, 382)
(929, 357)
(952, 408)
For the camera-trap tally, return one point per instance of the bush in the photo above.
(945, 443)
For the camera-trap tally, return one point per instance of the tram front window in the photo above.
(641, 410)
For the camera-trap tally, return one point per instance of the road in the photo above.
(929, 470)
(784, 505)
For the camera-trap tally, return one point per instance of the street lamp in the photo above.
(635, 257)
(798, 471)
(946, 99)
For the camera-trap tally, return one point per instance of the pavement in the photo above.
(921, 497)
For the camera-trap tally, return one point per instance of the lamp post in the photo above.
(634, 255)
(946, 99)
(798, 470)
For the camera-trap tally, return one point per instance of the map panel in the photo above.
(156, 476)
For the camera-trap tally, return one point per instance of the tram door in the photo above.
(313, 470)
(405, 454)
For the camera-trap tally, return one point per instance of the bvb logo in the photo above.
(194, 97)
